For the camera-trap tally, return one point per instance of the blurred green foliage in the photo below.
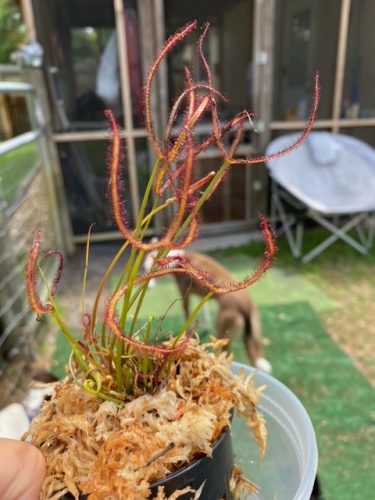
(12, 29)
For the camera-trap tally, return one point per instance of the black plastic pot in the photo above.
(214, 472)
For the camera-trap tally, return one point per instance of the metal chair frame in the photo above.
(337, 224)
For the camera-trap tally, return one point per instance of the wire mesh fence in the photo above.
(26, 203)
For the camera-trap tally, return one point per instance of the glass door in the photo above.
(229, 51)
(97, 53)
(93, 61)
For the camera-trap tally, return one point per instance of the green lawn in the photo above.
(293, 299)
(14, 167)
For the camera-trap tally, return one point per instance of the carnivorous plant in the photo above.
(115, 358)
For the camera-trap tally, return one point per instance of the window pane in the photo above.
(358, 95)
(14, 119)
(305, 42)
(228, 203)
(84, 168)
(80, 47)
(228, 47)
(82, 60)
(228, 50)
(134, 56)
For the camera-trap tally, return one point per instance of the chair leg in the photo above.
(338, 233)
(371, 230)
(366, 234)
(287, 223)
(295, 237)
(299, 236)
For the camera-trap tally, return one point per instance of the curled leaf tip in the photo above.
(31, 276)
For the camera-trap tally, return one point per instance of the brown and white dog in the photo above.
(237, 312)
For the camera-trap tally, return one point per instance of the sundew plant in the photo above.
(115, 357)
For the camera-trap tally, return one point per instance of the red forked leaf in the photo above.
(31, 276)
(157, 350)
(218, 132)
(60, 265)
(177, 264)
(118, 209)
(170, 43)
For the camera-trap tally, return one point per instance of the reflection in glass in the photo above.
(228, 203)
(228, 48)
(305, 42)
(84, 169)
(358, 94)
(82, 60)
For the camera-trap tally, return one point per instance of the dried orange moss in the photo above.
(103, 450)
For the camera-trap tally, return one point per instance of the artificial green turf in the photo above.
(338, 398)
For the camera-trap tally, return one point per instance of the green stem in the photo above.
(142, 290)
(192, 316)
(122, 250)
(140, 230)
(83, 293)
(125, 309)
(140, 296)
(155, 210)
(104, 280)
(129, 270)
(146, 195)
(207, 192)
(78, 353)
(128, 300)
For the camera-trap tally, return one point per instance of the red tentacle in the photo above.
(171, 42)
(181, 264)
(31, 276)
(158, 350)
(261, 159)
(118, 208)
(60, 265)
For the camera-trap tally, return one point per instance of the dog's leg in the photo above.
(255, 354)
(229, 323)
(253, 343)
(186, 304)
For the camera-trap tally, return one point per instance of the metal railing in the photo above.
(28, 200)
